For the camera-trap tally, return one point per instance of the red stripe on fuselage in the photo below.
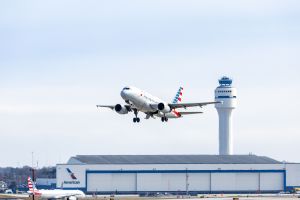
(177, 114)
(38, 193)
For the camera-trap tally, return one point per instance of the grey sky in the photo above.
(58, 59)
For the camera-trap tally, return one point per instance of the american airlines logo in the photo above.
(74, 178)
(71, 174)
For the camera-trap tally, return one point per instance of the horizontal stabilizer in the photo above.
(189, 113)
(185, 105)
(106, 106)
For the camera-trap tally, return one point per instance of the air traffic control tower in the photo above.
(227, 95)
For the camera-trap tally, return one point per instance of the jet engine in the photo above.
(121, 109)
(164, 108)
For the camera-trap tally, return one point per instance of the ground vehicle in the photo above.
(8, 191)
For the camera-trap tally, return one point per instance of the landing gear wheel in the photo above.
(164, 119)
(136, 119)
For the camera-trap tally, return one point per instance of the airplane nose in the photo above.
(123, 94)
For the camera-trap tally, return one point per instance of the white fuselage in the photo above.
(143, 101)
(58, 193)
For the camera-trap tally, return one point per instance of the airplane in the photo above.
(138, 100)
(53, 194)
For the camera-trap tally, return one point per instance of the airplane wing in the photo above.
(190, 113)
(63, 196)
(14, 196)
(129, 108)
(70, 195)
(185, 105)
(106, 106)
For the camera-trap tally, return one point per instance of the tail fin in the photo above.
(178, 97)
(31, 185)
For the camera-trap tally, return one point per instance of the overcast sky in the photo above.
(58, 59)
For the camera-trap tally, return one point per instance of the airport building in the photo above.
(182, 174)
(177, 174)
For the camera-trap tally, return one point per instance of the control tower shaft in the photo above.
(227, 95)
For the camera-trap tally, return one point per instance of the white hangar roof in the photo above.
(171, 159)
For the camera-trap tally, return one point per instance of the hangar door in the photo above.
(260, 181)
(173, 181)
(271, 181)
(235, 181)
(111, 182)
(161, 182)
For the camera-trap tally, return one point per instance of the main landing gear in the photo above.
(136, 119)
(164, 119)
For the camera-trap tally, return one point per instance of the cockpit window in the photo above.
(126, 88)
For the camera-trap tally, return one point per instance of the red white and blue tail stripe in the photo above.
(178, 97)
(32, 188)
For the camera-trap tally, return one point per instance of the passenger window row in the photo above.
(222, 91)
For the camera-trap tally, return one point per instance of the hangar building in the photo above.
(178, 174)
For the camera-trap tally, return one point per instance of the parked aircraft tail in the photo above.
(31, 186)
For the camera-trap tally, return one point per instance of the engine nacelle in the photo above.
(121, 109)
(164, 108)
